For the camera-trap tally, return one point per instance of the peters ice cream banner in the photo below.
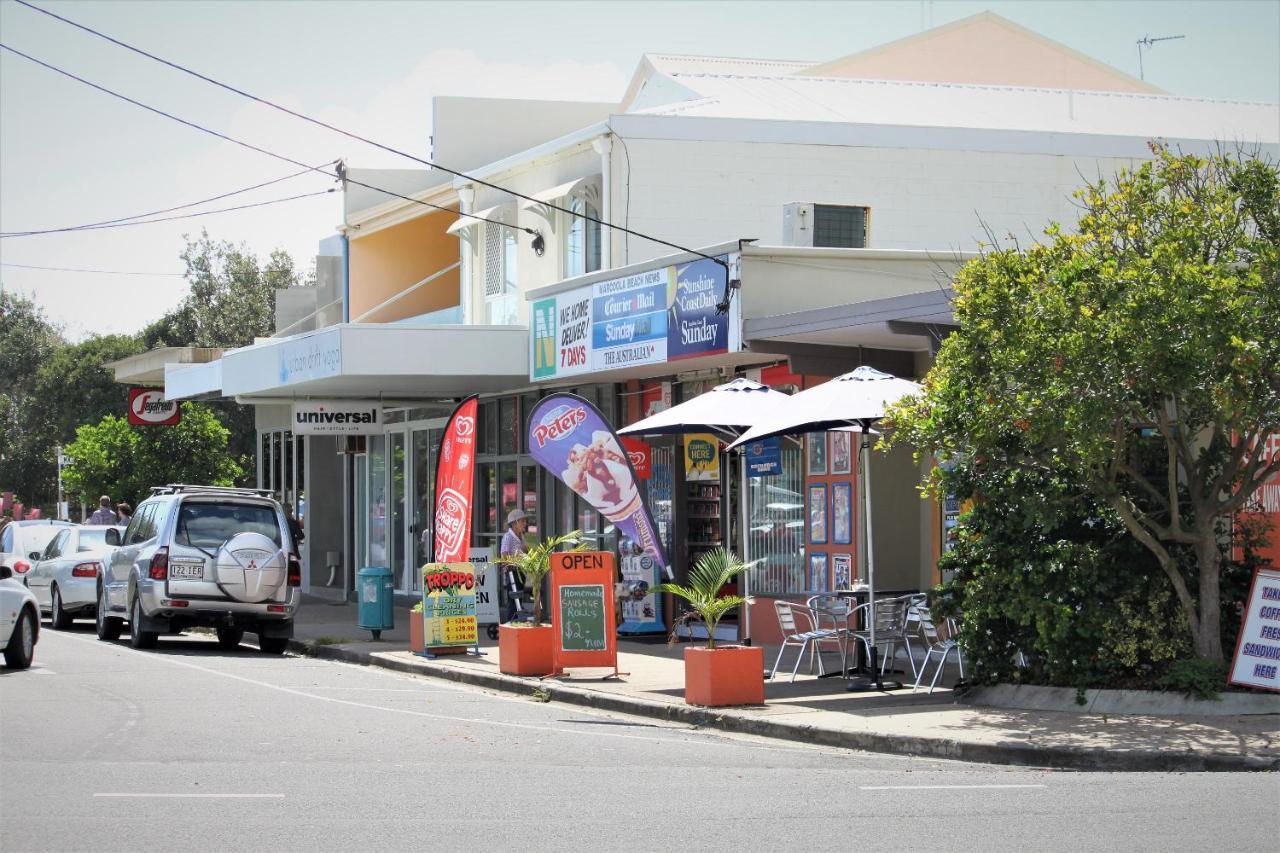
(650, 317)
(570, 438)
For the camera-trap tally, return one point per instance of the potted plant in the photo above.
(525, 648)
(417, 630)
(724, 675)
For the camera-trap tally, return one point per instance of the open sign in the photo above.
(148, 407)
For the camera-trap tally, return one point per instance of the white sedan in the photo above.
(19, 621)
(64, 579)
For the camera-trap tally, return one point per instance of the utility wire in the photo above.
(338, 174)
(163, 210)
(367, 141)
(95, 272)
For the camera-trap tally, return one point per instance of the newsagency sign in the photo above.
(651, 317)
(336, 417)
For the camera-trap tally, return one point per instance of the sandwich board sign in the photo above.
(582, 610)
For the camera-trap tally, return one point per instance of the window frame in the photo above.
(591, 236)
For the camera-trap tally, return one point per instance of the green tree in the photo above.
(74, 387)
(27, 339)
(114, 458)
(1141, 353)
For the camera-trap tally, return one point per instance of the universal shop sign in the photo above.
(336, 417)
(651, 317)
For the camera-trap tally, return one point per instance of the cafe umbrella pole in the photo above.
(874, 682)
(745, 512)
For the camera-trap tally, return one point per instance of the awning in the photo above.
(564, 190)
(465, 222)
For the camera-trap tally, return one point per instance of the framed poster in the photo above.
(841, 453)
(818, 514)
(817, 453)
(842, 564)
(818, 573)
(841, 513)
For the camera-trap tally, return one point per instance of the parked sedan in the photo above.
(19, 621)
(65, 578)
(20, 539)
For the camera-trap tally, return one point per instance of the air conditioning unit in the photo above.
(797, 224)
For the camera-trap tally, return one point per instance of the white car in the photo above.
(19, 621)
(20, 539)
(65, 578)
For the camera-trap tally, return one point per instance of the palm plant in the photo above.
(534, 564)
(708, 576)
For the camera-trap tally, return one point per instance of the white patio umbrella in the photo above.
(857, 399)
(729, 410)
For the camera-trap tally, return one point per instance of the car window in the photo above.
(57, 546)
(6, 540)
(37, 537)
(92, 540)
(208, 525)
(140, 525)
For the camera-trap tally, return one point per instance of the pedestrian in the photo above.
(296, 532)
(104, 514)
(513, 545)
(125, 512)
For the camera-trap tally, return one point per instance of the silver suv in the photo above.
(203, 556)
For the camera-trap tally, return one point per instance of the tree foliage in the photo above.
(27, 339)
(1140, 353)
(114, 458)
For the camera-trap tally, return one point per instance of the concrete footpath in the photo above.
(819, 710)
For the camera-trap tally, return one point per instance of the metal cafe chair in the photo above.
(799, 625)
(891, 627)
(939, 646)
(833, 612)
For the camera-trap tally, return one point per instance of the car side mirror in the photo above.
(5, 573)
(113, 536)
(35, 555)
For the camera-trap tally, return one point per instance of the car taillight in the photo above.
(86, 570)
(295, 571)
(21, 567)
(159, 569)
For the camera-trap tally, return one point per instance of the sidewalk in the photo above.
(820, 711)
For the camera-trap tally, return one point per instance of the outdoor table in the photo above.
(861, 595)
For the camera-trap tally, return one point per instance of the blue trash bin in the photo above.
(374, 591)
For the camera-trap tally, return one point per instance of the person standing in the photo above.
(104, 514)
(125, 512)
(513, 545)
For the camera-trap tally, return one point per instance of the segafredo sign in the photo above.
(148, 407)
(336, 417)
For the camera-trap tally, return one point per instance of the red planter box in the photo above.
(526, 651)
(417, 632)
(728, 675)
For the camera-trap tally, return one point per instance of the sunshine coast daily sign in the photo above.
(651, 317)
(337, 417)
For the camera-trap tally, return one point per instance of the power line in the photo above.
(95, 272)
(177, 67)
(338, 174)
(163, 210)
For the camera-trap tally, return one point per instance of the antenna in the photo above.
(1147, 42)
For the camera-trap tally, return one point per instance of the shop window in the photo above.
(582, 238)
(500, 250)
(508, 427)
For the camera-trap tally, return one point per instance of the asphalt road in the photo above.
(105, 748)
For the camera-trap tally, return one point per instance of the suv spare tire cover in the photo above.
(250, 567)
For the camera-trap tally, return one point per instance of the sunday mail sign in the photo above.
(336, 417)
(650, 317)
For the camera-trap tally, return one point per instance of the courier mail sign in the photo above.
(336, 417)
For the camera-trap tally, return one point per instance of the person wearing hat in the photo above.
(104, 514)
(513, 544)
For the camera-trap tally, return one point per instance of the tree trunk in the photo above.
(1208, 634)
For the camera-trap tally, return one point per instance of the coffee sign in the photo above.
(148, 407)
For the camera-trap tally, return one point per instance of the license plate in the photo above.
(186, 571)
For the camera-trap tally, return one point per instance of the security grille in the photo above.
(492, 260)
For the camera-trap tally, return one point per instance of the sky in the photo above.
(71, 155)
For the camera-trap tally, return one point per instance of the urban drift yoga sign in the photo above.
(650, 317)
(570, 438)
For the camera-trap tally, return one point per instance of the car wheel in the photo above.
(22, 645)
(229, 638)
(273, 645)
(109, 627)
(59, 618)
(138, 638)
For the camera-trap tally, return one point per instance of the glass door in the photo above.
(423, 444)
(397, 534)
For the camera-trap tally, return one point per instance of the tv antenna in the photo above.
(1147, 42)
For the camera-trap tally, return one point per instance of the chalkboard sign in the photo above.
(582, 618)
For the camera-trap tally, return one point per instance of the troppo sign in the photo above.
(148, 407)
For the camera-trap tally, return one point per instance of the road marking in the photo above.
(939, 787)
(199, 796)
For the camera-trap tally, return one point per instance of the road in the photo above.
(187, 747)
